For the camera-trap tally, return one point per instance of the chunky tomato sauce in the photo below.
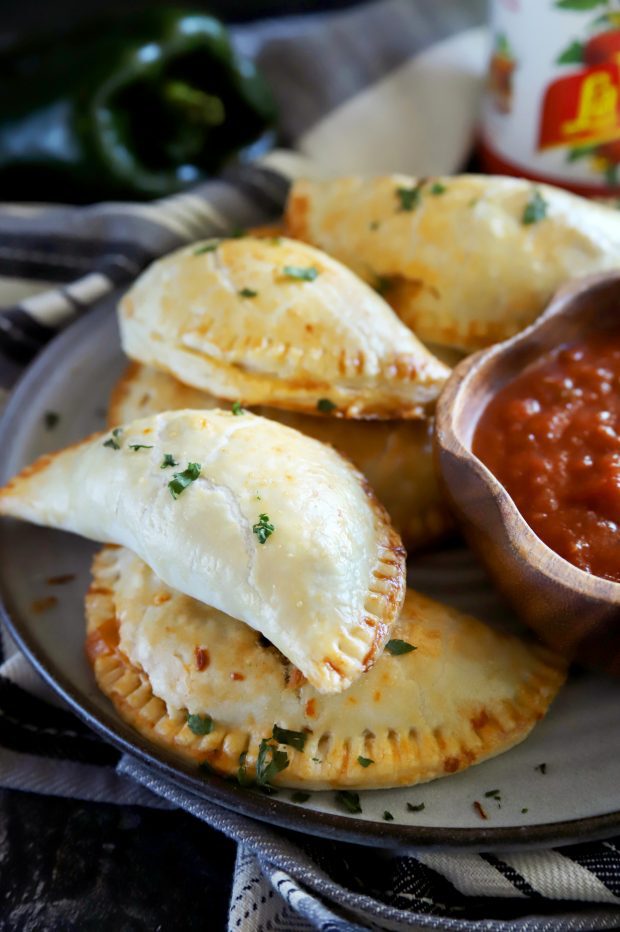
(552, 438)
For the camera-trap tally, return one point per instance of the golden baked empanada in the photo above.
(466, 260)
(274, 321)
(395, 456)
(465, 693)
(244, 514)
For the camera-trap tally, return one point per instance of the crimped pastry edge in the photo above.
(401, 764)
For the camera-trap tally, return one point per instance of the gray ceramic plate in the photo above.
(577, 797)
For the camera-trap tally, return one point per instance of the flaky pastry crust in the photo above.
(242, 513)
(395, 456)
(465, 261)
(466, 693)
(272, 321)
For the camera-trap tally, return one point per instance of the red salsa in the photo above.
(552, 438)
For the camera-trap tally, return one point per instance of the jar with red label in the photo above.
(551, 108)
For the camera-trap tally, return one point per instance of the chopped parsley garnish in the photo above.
(409, 197)
(397, 647)
(523, 811)
(50, 419)
(535, 209)
(382, 284)
(236, 408)
(411, 807)
(248, 293)
(263, 529)
(374, 225)
(325, 405)
(542, 768)
(300, 797)
(211, 246)
(494, 794)
(112, 441)
(387, 815)
(348, 801)
(365, 761)
(168, 460)
(296, 739)
(317, 760)
(270, 761)
(200, 724)
(438, 188)
(301, 274)
(140, 446)
(242, 775)
(181, 480)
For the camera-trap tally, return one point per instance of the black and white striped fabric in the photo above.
(65, 259)
(55, 263)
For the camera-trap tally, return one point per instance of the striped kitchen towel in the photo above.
(64, 259)
(330, 73)
(57, 261)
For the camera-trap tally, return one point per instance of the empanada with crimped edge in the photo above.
(464, 694)
(268, 320)
(324, 586)
(457, 260)
(395, 456)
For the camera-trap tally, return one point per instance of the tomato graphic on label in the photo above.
(582, 110)
(601, 48)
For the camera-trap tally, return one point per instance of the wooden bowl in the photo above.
(573, 611)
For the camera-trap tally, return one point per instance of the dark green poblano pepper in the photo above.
(138, 107)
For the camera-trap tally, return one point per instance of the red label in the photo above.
(582, 108)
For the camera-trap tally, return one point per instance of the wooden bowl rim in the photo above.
(521, 537)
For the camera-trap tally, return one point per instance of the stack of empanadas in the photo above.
(278, 325)
(251, 618)
(252, 614)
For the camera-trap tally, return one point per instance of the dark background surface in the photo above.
(28, 17)
(80, 866)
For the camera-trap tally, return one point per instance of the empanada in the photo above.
(395, 456)
(465, 693)
(466, 260)
(269, 320)
(244, 514)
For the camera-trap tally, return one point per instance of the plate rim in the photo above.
(272, 810)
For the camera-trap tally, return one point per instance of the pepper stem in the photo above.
(194, 105)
